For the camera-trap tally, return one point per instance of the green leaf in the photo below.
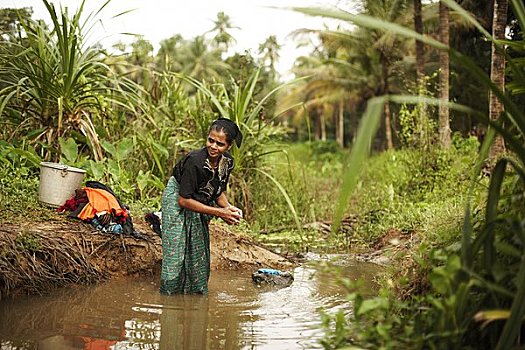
(512, 327)
(108, 147)
(124, 147)
(31, 156)
(114, 169)
(69, 149)
(367, 129)
(372, 304)
(143, 180)
(97, 169)
(496, 181)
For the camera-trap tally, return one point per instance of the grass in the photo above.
(19, 197)
(406, 190)
(416, 192)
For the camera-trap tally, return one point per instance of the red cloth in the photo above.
(79, 198)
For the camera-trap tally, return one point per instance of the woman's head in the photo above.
(230, 130)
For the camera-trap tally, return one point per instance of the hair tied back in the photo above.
(230, 128)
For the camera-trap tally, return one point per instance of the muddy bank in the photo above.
(394, 245)
(36, 257)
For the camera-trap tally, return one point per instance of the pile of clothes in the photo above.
(97, 204)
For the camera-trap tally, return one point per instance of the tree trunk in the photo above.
(420, 49)
(497, 73)
(386, 110)
(322, 120)
(340, 125)
(444, 118)
(320, 125)
(388, 129)
(316, 122)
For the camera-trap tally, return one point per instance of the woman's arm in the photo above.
(222, 201)
(228, 214)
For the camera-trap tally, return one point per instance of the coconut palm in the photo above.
(444, 118)
(269, 51)
(10, 21)
(334, 84)
(388, 48)
(168, 55)
(222, 25)
(497, 71)
(370, 56)
(201, 62)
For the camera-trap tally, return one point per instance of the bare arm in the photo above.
(222, 201)
(229, 214)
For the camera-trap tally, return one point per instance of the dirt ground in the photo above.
(36, 257)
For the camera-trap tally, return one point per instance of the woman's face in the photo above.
(216, 144)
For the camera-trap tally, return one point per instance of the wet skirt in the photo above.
(185, 246)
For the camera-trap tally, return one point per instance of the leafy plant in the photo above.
(53, 82)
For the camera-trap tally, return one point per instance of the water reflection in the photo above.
(131, 314)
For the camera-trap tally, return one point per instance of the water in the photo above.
(131, 314)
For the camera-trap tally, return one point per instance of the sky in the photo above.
(160, 19)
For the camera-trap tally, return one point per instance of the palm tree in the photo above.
(497, 72)
(201, 62)
(10, 21)
(269, 50)
(444, 118)
(370, 54)
(168, 56)
(388, 47)
(141, 58)
(223, 39)
(327, 92)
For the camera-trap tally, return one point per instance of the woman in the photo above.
(194, 194)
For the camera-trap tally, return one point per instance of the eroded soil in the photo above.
(38, 256)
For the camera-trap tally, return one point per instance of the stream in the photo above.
(130, 313)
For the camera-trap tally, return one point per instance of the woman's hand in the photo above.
(231, 214)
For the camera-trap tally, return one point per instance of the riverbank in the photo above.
(36, 257)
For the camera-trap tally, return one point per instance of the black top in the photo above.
(198, 180)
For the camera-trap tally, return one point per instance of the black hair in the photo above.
(230, 129)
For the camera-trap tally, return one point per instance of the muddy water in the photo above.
(131, 314)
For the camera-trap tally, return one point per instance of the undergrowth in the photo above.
(19, 196)
(413, 191)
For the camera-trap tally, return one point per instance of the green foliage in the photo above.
(309, 173)
(51, 82)
(27, 241)
(21, 158)
(417, 129)
(19, 186)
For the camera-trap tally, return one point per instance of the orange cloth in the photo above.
(97, 344)
(100, 200)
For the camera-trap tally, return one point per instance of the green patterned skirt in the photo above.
(185, 246)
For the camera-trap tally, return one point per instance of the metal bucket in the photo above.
(58, 183)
